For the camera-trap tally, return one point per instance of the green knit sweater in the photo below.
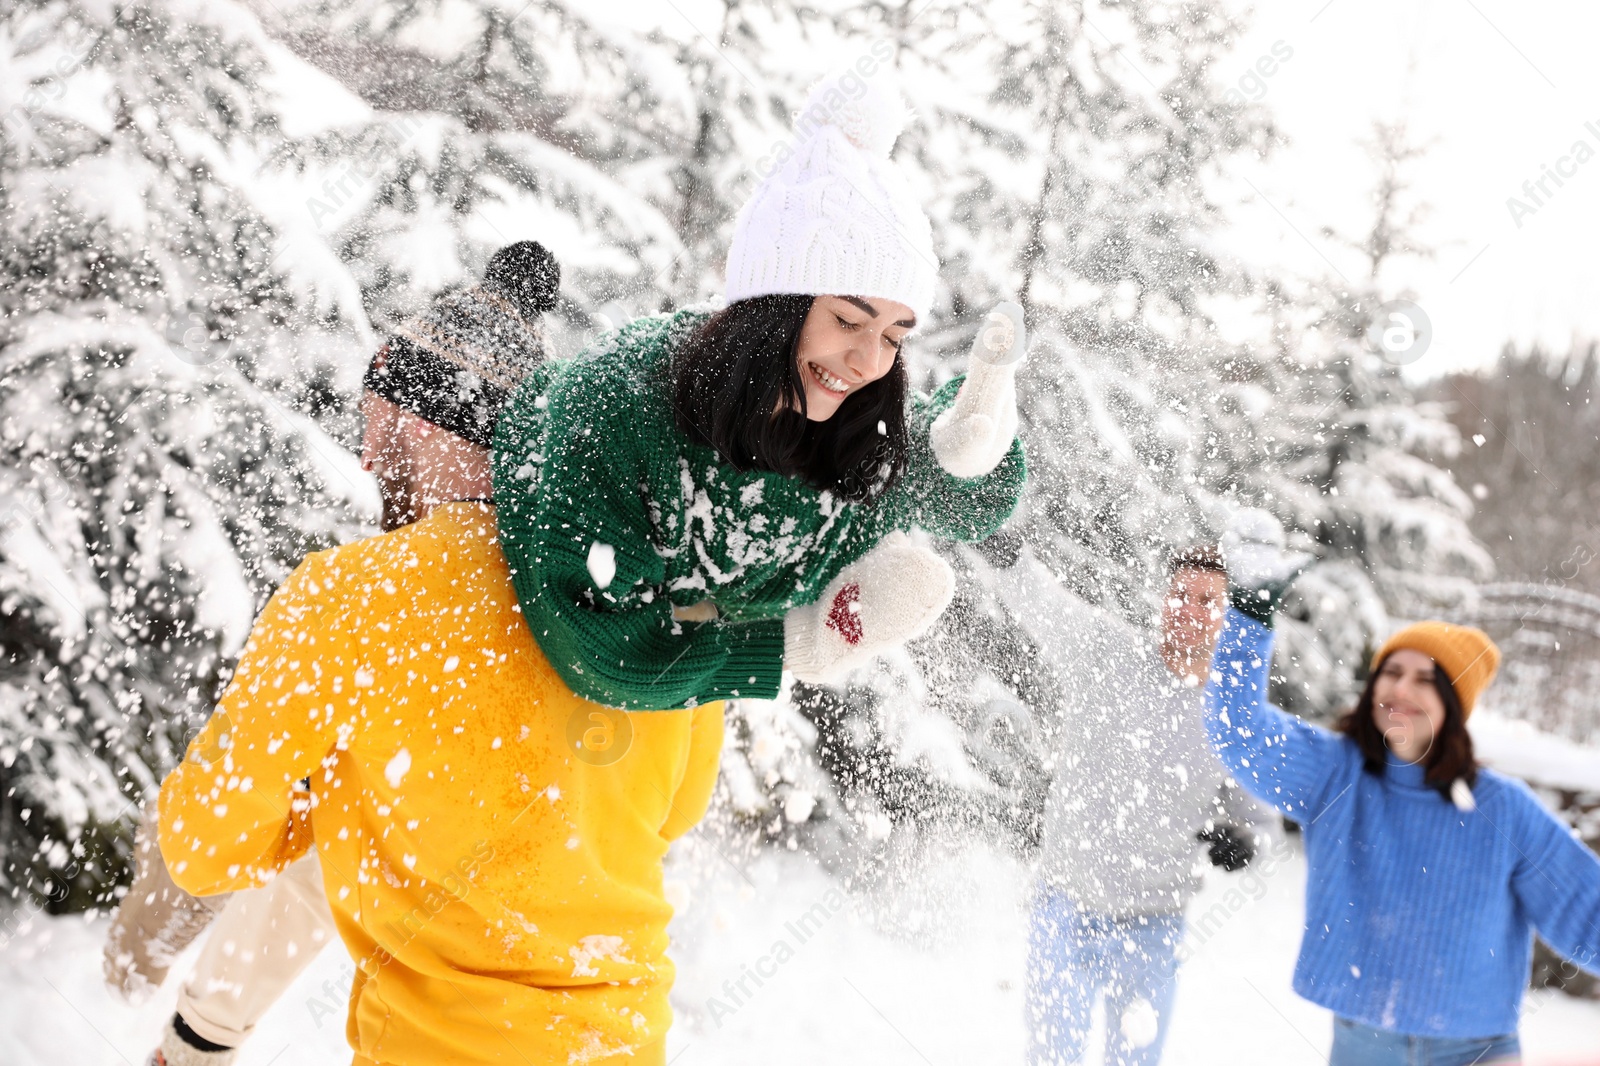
(590, 471)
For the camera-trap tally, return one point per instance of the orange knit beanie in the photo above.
(1466, 655)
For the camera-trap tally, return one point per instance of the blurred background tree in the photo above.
(212, 219)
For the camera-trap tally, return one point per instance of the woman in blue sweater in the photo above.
(1428, 874)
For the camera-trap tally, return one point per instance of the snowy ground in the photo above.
(845, 992)
(1516, 747)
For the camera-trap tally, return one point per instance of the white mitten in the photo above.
(893, 593)
(971, 438)
(1255, 551)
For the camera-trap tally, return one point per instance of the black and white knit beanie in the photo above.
(457, 364)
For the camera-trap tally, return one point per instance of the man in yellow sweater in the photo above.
(489, 843)
(493, 863)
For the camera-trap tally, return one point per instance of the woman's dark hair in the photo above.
(1451, 755)
(737, 388)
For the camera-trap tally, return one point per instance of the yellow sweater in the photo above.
(491, 844)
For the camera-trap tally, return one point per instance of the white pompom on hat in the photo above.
(834, 215)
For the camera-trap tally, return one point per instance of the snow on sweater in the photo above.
(501, 895)
(1419, 916)
(1134, 778)
(589, 459)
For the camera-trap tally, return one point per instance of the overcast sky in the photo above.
(1502, 89)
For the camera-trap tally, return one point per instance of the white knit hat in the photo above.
(834, 216)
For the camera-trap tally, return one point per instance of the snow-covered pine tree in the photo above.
(163, 464)
(1358, 464)
(1065, 153)
(1081, 171)
(747, 68)
(494, 122)
(1532, 466)
(1144, 426)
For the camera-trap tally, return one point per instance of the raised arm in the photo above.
(965, 470)
(230, 814)
(1557, 881)
(566, 484)
(931, 498)
(1282, 761)
(1080, 642)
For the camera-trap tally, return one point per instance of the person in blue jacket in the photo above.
(1428, 874)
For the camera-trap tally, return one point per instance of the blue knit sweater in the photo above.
(1419, 916)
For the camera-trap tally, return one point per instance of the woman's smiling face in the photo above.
(1406, 706)
(846, 343)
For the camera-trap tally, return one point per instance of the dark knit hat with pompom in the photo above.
(457, 364)
(527, 275)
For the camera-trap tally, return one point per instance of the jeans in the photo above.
(1355, 1044)
(1074, 958)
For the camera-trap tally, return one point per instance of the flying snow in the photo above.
(396, 770)
(602, 564)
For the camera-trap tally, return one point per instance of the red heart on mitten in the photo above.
(844, 617)
(891, 595)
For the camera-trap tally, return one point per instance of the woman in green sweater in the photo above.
(702, 498)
